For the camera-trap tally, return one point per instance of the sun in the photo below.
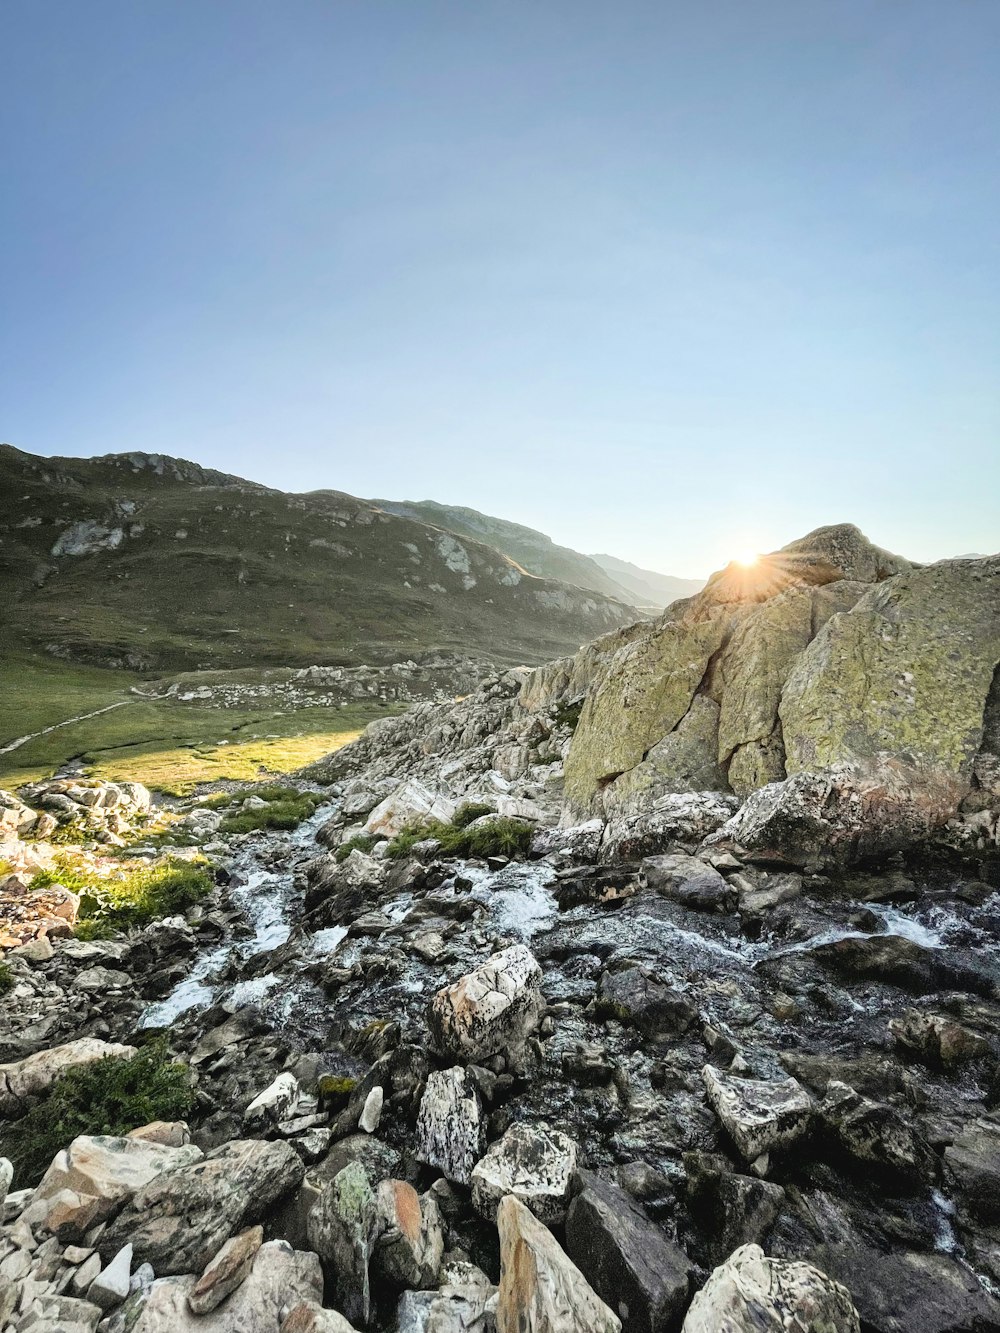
(747, 559)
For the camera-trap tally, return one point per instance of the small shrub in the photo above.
(110, 1096)
(361, 842)
(7, 978)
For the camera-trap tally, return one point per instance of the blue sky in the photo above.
(669, 280)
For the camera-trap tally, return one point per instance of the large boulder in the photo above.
(908, 1291)
(90, 1180)
(541, 1289)
(411, 1244)
(180, 1219)
(690, 701)
(343, 1226)
(412, 802)
(634, 1268)
(751, 1293)
(280, 1277)
(464, 1303)
(490, 1010)
(883, 718)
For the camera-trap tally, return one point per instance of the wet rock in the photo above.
(411, 1247)
(533, 1163)
(628, 1261)
(450, 1128)
(279, 1278)
(28, 1078)
(579, 843)
(179, 1220)
(731, 1209)
(343, 1226)
(973, 1164)
(226, 1270)
(873, 1134)
(490, 1010)
(750, 1293)
(890, 958)
(636, 996)
(541, 1289)
(89, 1181)
(687, 817)
(758, 1116)
(910, 1292)
(689, 881)
(936, 1040)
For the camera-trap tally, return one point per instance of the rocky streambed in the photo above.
(546, 1093)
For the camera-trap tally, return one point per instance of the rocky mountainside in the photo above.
(156, 563)
(652, 990)
(644, 586)
(538, 554)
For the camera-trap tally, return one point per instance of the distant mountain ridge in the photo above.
(645, 586)
(157, 563)
(539, 554)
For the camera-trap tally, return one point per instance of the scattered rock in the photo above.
(533, 1163)
(490, 1010)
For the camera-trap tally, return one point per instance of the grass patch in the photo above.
(7, 978)
(286, 808)
(500, 837)
(361, 842)
(471, 810)
(110, 1096)
(168, 744)
(133, 898)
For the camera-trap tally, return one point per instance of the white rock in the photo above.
(409, 803)
(532, 1162)
(372, 1112)
(110, 1287)
(27, 1078)
(750, 1293)
(758, 1116)
(490, 1010)
(276, 1102)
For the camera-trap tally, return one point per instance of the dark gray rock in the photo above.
(635, 1269)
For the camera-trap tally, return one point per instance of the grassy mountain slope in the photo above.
(152, 563)
(644, 586)
(532, 550)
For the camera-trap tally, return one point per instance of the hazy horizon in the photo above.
(667, 281)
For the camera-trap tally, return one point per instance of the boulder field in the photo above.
(655, 990)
